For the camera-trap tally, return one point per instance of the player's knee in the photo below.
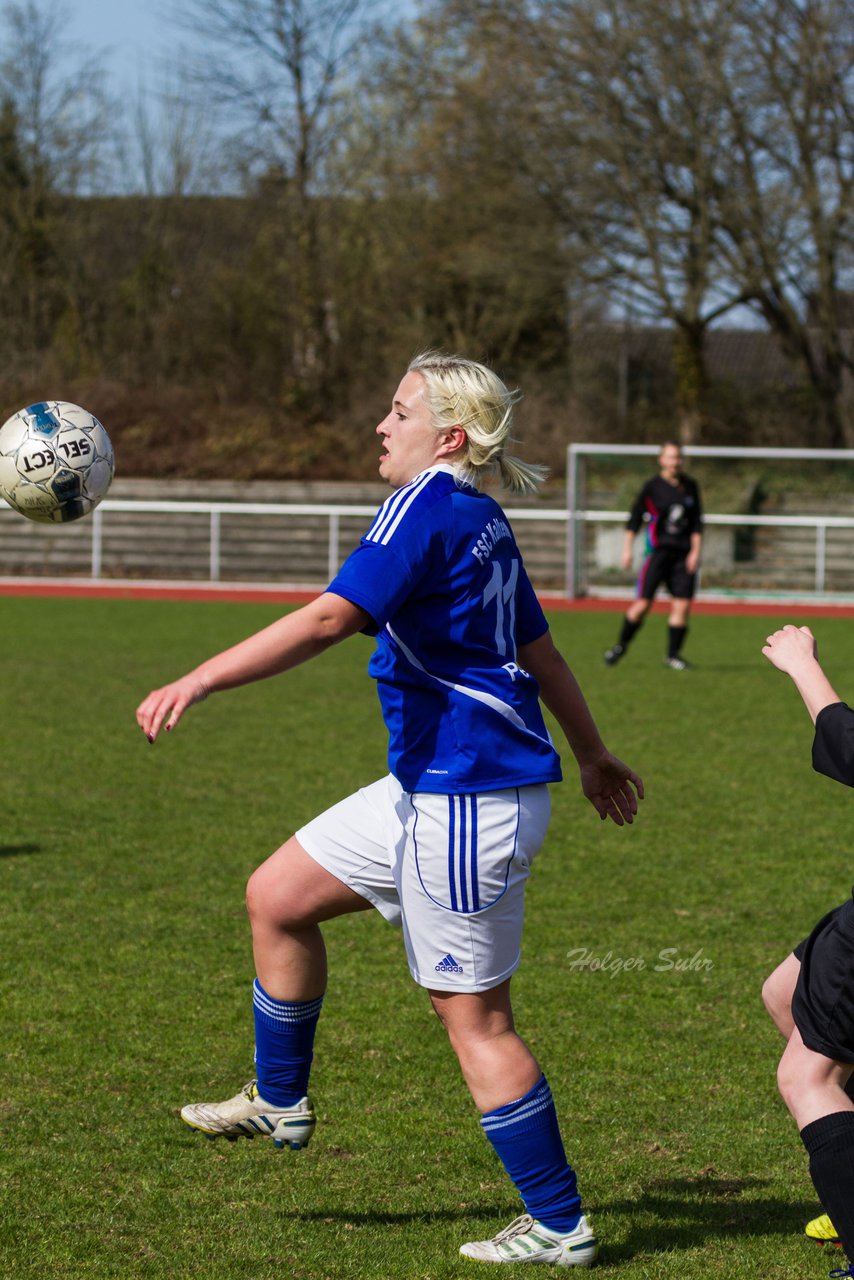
(255, 896)
(788, 1082)
(264, 900)
(800, 1074)
(795, 1079)
(445, 1011)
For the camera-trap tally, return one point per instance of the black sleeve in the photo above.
(833, 747)
(636, 514)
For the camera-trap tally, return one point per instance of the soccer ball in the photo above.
(56, 461)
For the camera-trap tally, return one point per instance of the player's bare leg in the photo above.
(287, 898)
(518, 1117)
(812, 1086)
(496, 1063)
(814, 1089)
(777, 992)
(638, 609)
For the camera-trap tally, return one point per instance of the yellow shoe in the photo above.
(822, 1230)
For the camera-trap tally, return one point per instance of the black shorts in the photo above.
(665, 565)
(823, 1002)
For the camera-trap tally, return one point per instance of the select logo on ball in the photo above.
(56, 461)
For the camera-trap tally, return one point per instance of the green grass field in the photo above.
(127, 967)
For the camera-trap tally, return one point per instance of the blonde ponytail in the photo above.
(460, 392)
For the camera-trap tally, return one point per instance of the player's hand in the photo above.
(790, 648)
(169, 704)
(692, 562)
(608, 785)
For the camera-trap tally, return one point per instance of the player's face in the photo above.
(670, 462)
(410, 441)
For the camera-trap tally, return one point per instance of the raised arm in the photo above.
(287, 642)
(605, 780)
(793, 650)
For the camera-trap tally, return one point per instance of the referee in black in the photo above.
(669, 507)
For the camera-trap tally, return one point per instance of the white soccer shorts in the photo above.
(450, 870)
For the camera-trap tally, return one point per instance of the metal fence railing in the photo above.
(576, 575)
(161, 531)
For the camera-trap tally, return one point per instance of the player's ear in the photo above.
(451, 440)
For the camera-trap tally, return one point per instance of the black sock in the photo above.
(675, 640)
(830, 1146)
(629, 629)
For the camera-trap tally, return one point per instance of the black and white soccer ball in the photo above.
(56, 461)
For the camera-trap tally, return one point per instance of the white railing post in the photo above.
(334, 540)
(572, 528)
(214, 547)
(97, 541)
(820, 555)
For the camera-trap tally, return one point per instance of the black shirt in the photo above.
(671, 513)
(833, 747)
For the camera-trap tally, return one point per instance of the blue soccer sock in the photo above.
(527, 1140)
(284, 1045)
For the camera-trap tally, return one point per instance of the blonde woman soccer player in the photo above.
(443, 845)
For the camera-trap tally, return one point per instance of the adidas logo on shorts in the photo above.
(449, 965)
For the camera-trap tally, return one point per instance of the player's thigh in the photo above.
(292, 890)
(462, 864)
(777, 991)
(681, 584)
(652, 574)
(823, 998)
(354, 841)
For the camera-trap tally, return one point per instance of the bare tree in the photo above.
(55, 122)
(784, 201)
(276, 71)
(624, 134)
(703, 151)
(484, 261)
(59, 97)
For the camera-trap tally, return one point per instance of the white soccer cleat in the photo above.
(247, 1115)
(528, 1241)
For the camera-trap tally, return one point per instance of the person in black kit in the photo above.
(669, 505)
(810, 996)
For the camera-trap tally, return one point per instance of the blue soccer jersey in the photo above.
(440, 573)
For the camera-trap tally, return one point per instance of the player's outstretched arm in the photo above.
(794, 650)
(286, 643)
(611, 786)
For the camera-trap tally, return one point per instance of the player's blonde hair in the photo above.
(462, 393)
